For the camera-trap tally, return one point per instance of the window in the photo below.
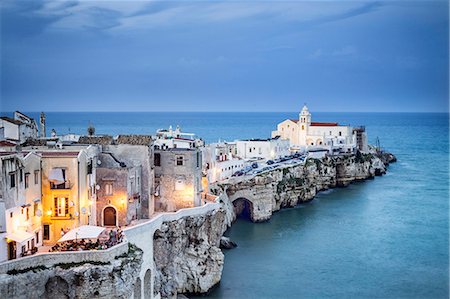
(46, 232)
(28, 214)
(157, 159)
(36, 177)
(27, 180)
(21, 175)
(179, 160)
(179, 183)
(37, 237)
(198, 159)
(303, 127)
(35, 208)
(12, 180)
(340, 133)
(109, 189)
(89, 168)
(61, 206)
(11, 215)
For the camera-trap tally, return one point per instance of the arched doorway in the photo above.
(109, 216)
(148, 284)
(137, 289)
(243, 208)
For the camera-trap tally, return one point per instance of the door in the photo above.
(11, 250)
(109, 216)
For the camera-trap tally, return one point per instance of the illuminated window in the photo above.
(179, 184)
(61, 206)
(108, 189)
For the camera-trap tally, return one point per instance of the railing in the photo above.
(64, 186)
(49, 259)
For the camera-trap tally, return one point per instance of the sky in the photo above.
(337, 56)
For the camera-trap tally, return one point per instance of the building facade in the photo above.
(268, 149)
(68, 190)
(18, 129)
(118, 188)
(303, 133)
(177, 160)
(20, 204)
(220, 161)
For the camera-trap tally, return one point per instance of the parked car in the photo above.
(254, 165)
(238, 173)
(270, 162)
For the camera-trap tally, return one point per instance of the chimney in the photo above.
(42, 132)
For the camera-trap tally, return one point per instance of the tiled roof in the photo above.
(59, 154)
(6, 143)
(11, 120)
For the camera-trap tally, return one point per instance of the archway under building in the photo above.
(57, 287)
(137, 289)
(243, 208)
(109, 216)
(148, 284)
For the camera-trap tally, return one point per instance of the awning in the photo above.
(20, 236)
(56, 176)
(83, 232)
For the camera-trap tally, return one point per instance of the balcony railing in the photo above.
(64, 186)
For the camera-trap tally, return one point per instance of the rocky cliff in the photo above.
(287, 186)
(84, 280)
(187, 255)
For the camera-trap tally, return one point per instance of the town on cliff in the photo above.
(143, 216)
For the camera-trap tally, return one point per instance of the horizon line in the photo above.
(166, 111)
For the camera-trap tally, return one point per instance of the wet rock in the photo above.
(227, 243)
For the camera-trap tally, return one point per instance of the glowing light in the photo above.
(49, 212)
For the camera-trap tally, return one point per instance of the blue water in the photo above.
(384, 238)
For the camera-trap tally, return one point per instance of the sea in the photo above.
(382, 238)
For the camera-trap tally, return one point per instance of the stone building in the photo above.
(177, 163)
(118, 191)
(133, 151)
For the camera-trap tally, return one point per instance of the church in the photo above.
(304, 133)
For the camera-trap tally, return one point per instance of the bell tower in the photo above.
(42, 132)
(305, 117)
(304, 120)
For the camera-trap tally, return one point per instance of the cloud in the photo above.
(117, 16)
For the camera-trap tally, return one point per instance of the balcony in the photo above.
(64, 186)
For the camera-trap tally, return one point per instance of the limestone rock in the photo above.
(187, 255)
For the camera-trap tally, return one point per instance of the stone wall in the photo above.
(87, 274)
(168, 254)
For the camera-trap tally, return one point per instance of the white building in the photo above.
(268, 149)
(18, 129)
(167, 139)
(304, 133)
(220, 161)
(20, 204)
